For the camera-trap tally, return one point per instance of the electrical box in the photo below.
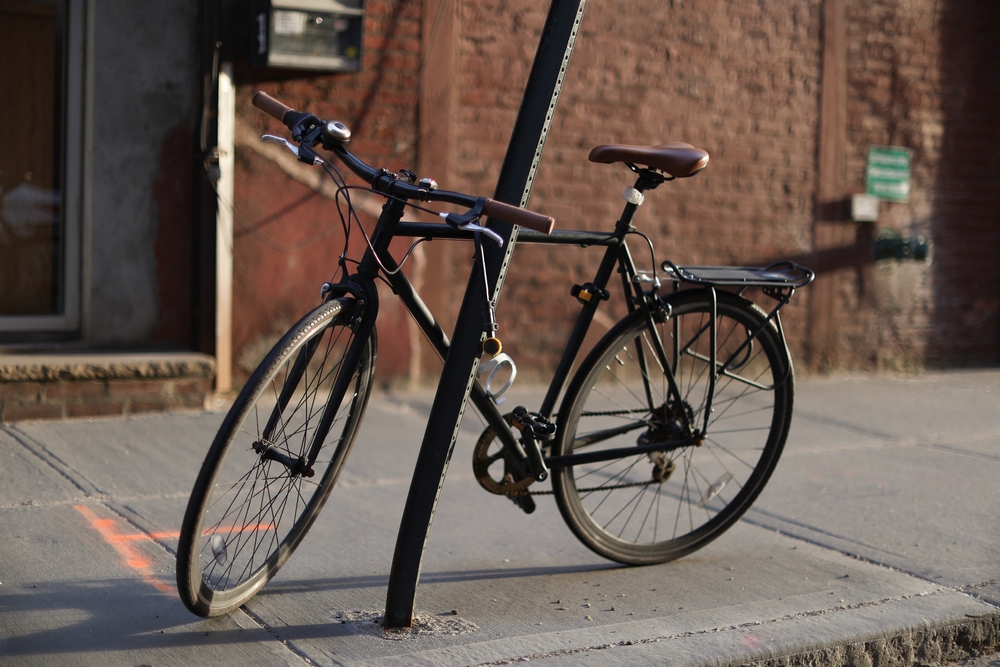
(321, 35)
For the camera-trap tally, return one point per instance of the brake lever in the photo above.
(452, 219)
(292, 147)
(472, 227)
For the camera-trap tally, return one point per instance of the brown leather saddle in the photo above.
(674, 159)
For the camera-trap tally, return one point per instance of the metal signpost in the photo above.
(513, 186)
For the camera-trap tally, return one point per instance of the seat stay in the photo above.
(631, 286)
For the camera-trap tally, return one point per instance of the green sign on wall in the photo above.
(889, 172)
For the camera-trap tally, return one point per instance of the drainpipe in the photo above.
(224, 231)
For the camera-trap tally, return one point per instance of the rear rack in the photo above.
(779, 274)
(779, 281)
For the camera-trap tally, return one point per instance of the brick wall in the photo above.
(921, 76)
(965, 222)
(740, 79)
(101, 385)
(737, 79)
(287, 236)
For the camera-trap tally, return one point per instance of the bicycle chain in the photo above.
(595, 488)
(498, 487)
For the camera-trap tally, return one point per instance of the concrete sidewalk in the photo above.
(875, 542)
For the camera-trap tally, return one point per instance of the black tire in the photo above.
(248, 513)
(638, 510)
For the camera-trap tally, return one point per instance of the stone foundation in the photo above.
(100, 385)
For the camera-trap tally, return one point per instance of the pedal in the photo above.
(539, 427)
(525, 502)
(533, 428)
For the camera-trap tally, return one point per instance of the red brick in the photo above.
(31, 411)
(194, 400)
(94, 409)
(137, 388)
(81, 389)
(192, 387)
(19, 391)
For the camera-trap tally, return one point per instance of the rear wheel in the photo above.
(650, 508)
(255, 497)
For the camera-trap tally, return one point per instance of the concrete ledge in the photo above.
(104, 366)
(102, 384)
(919, 630)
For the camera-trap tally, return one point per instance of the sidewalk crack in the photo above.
(777, 517)
(258, 621)
(43, 453)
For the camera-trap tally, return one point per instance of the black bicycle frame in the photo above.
(617, 254)
(361, 286)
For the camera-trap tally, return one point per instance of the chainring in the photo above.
(482, 461)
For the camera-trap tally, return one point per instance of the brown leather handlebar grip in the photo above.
(270, 106)
(519, 216)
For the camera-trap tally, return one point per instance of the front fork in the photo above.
(365, 303)
(365, 310)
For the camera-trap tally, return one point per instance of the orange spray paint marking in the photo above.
(174, 535)
(242, 529)
(121, 543)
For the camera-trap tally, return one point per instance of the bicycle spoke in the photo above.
(258, 507)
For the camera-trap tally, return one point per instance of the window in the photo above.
(41, 74)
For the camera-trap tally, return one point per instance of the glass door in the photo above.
(40, 137)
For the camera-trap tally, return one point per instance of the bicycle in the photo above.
(666, 433)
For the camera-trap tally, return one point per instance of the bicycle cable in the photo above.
(652, 252)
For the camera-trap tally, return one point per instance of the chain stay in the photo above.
(501, 490)
(595, 488)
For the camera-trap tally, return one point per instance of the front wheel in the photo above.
(256, 495)
(655, 507)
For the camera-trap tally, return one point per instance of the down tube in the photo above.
(439, 339)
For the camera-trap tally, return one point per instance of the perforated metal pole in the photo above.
(524, 152)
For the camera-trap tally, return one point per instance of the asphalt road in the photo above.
(877, 537)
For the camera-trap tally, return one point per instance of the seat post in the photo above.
(648, 180)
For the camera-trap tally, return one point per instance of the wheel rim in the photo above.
(649, 508)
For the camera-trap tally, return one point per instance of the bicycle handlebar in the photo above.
(270, 106)
(519, 216)
(389, 184)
